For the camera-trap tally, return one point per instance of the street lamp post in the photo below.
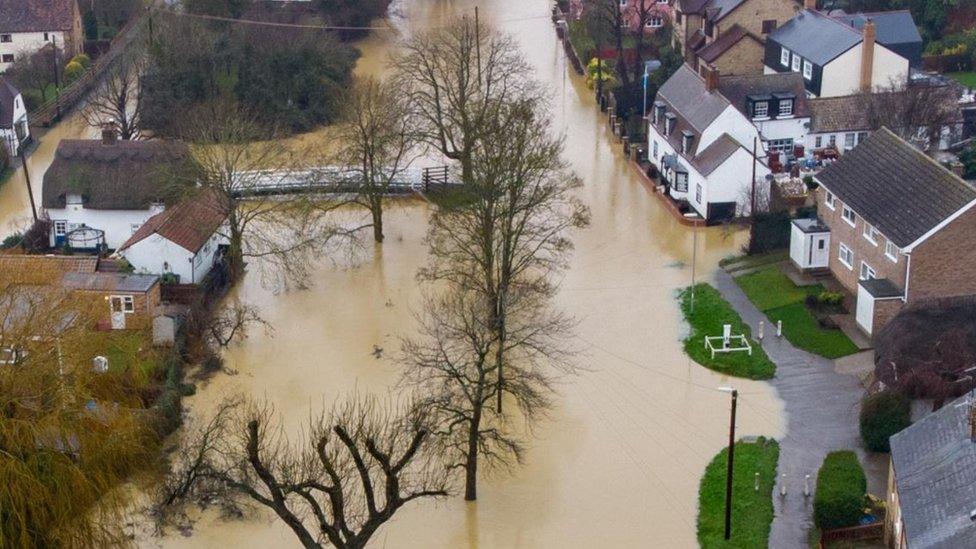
(728, 471)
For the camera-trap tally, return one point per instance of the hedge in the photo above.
(882, 415)
(841, 487)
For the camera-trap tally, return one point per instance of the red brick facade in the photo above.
(944, 265)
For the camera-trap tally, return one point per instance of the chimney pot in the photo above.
(711, 79)
(867, 55)
(108, 134)
(810, 4)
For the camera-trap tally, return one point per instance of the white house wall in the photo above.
(9, 136)
(732, 122)
(25, 43)
(157, 255)
(117, 224)
(783, 128)
(842, 76)
(731, 182)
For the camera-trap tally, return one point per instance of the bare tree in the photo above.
(455, 77)
(918, 113)
(608, 14)
(511, 229)
(361, 464)
(232, 323)
(452, 363)
(117, 101)
(379, 144)
(265, 192)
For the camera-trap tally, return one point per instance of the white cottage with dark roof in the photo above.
(14, 129)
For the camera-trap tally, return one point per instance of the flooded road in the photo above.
(619, 461)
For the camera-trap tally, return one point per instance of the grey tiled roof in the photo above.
(110, 282)
(896, 187)
(7, 95)
(838, 114)
(935, 472)
(815, 36)
(892, 27)
(881, 288)
(685, 92)
(717, 152)
(36, 15)
(738, 88)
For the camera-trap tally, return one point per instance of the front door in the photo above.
(819, 253)
(117, 312)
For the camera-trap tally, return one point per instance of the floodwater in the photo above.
(618, 462)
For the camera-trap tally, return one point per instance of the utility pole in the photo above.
(728, 471)
(752, 204)
(694, 262)
(30, 191)
(57, 77)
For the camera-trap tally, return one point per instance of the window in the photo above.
(655, 149)
(846, 256)
(681, 182)
(623, 3)
(796, 63)
(891, 251)
(818, 142)
(870, 233)
(46, 37)
(662, 1)
(849, 216)
(656, 21)
(134, 227)
(833, 140)
(698, 193)
(6, 38)
(122, 304)
(861, 136)
(60, 227)
(781, 145)
(848, 141)
(867, 273)
(829, 200)
(807, 70)
(768, 26)
(785, 107)
(784, 57)
(686, 139)
(7, 58)
(760, 109)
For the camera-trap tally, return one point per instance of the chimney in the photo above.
(867, 56)
(108, 133)
(810, 5)
(711, 79)
(972, 421)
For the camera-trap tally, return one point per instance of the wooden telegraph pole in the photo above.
(728, 471)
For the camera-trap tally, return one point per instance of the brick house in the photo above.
(700, 23)
(894, 228)
(29, 25)
(649, 15)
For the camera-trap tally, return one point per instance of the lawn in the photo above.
(773, 293)
(128, 350)
(710, 314)
(967, 79)
(582, 41)
(752, 510)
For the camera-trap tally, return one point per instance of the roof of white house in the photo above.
(37, 15)
(685, 92)
(816, 36)
(896, 187)
(8, 94)
(189, 224)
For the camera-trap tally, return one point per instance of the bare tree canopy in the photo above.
(455, 78)
(918, 114)
(359, 466)
(379, 143)
(117, 102)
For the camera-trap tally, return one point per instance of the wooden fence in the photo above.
(854, 533)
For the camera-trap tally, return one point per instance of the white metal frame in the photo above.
(725, 342)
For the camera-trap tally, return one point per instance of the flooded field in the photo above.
(618, 462)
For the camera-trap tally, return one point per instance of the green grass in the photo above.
(582, 42)
(773, 293)
(742, 262)
(752, 510)
(128, 350)
(967, 79)
(711, 313)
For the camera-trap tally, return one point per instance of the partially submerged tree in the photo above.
(917, 113)
(378, 145)
(118, 101)
(360, 465)
(455, 78)
(265, 191)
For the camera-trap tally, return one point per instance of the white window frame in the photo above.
(850, 217)
(784, 57)
(765, 109)
(60, 227)
(867, 272)
(795, 65)
(698, 193)
(891, 251)
(655, 148)
(807, 70)
(829, 199)
(128, 303)
(781, 145)
(871, 233)
(785, 102)
(818, 142)
(843, 251)
(656, 22)
(850, 141)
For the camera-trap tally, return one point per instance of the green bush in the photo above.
(73, 70)
(841, 487)
(882, 415)
(12, 241)
(830, 299)
(82, 60)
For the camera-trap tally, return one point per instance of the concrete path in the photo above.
(822, 409)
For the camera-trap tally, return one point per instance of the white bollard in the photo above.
(782, 485)
(757, 482)
(779, 328)
(806, 486)
(762, 325)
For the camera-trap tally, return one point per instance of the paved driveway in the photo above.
(822, 410)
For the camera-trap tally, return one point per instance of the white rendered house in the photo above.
(26, 26)
(14, 129)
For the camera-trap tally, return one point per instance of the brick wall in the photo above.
(884, 311)
(943, 265)
(752, 13)
(874, 254)
(745, 57)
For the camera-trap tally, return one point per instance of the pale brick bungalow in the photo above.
(894, 228)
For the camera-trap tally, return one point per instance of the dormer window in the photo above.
(760, 109)
(686, 140)
(786, 107)
(796, 63)
(658, 112)
(669, 120)
(784, 57)
(807, 70)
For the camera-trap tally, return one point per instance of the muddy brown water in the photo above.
(618, 462)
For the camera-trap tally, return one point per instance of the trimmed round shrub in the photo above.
(82, 60)
(882, 415)
(841, 487)
(73, 70)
